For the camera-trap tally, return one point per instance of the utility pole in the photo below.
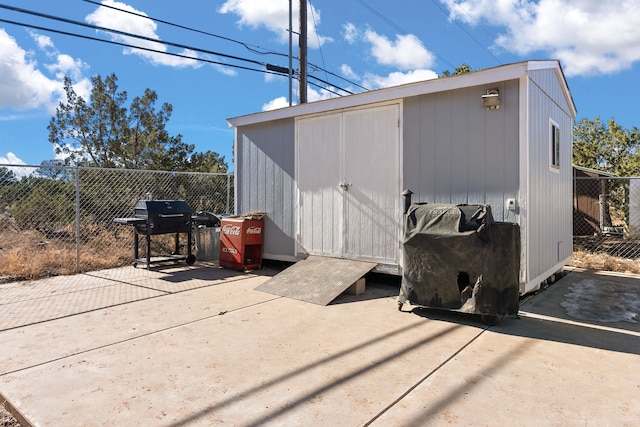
(290, 52)
(302, 54)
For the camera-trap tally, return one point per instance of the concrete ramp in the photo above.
(318, 280)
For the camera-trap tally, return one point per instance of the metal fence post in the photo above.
(67, 212)
(77, 182)
(228, 193)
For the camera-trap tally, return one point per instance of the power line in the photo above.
(124, 33)
(246, 45)
(401, 30)
(330, 84)
(37, 27)
(315, 25)
(270, 68)
(468, 33)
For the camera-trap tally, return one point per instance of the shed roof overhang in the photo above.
(477, 78)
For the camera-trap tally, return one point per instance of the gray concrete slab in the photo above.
(79, 297)
(226, 354)
(60, 337)
(546, 368)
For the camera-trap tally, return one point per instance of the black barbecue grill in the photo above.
(153, 217)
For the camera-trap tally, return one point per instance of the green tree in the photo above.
(209, 161)
(104, 132)
(463, 69)
(43, 204)
(7, 176)
(8, 184)
(55, 169)
(606, 146)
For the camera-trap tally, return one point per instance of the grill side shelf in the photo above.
(129, 221)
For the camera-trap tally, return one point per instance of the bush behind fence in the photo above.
(59, 220)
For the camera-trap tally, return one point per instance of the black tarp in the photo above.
(456, 257)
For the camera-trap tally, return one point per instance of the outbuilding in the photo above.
(330, 174)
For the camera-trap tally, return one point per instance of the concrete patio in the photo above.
(177, 346)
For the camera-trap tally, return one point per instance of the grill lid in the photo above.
(162, 209)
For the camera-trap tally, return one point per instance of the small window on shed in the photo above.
(555, 145)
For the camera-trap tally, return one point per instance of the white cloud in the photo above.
(63, 152)
(12, 159)
(351, 33)
(227, 71)
(588, 37)
(270, 77)
(274, 16)
(23, 86)
(314, 95)
(275, 104)
(66, 65)
(42, 41)
(373, 81)
(405, 52)
(63, 65)
(139, 25)
(348, 72)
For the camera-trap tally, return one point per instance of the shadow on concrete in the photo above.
(372, 291)
(450, 316)
(555, 329)
(545, 315)
(448, 399)
(201, 273)
(33, 302)
(347, 376)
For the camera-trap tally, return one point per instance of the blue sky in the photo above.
(371, 43)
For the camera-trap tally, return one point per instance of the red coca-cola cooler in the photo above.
(241, 242)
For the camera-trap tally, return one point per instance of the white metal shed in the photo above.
(330, 174)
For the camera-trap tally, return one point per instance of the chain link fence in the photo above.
(606, 220)
(59, 220)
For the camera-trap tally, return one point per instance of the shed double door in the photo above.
(349, 184)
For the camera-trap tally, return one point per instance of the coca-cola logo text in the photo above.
(254, 230)
(232, 230)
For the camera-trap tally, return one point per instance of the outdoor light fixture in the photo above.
(491, 99)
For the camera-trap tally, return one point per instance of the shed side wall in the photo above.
(265, 169)
(549, 205)
(456, 151)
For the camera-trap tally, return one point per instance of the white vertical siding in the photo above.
(549, 209)
(318, 173)
(453, 151)
(456, 151)
(265, 168)
(360, 148)
(371, 165)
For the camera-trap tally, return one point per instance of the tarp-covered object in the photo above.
(456, 257)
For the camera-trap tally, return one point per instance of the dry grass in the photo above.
(6, 419)
(30, 255)
(603, 261)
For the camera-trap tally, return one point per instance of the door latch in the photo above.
(345, 185)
